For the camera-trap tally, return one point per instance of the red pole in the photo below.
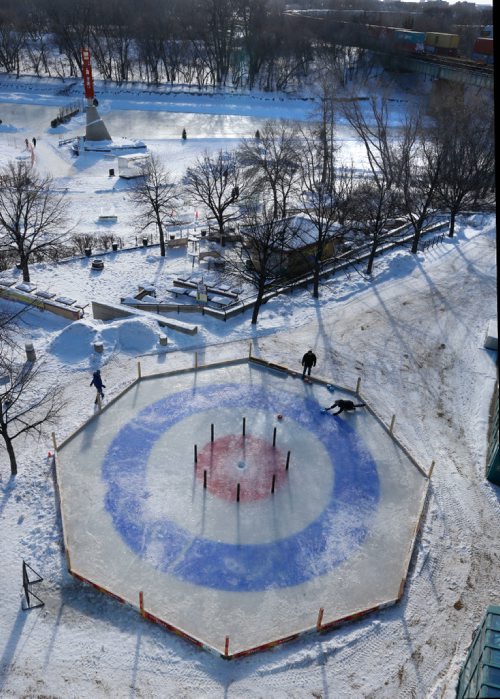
(226, 647)
(88, 82)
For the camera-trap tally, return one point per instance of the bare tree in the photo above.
(215, 182)
(31, 214)
(326, 188)
(419, 164)
(260, 260)
(155, 195)
(374, 206)
(376, 201)
(271, 163)
(468, 163)
(372, 127)
(27, 404)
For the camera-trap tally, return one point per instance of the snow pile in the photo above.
(131, 336)
(74, 343)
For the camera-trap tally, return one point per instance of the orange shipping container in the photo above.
(483, 46)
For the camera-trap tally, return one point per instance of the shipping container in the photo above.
(483, 46)
(404, 35)
(480, 674)
(406, 47)
(441, 40)
(483, 58)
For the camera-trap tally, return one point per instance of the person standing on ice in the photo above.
(97, 382)
(345, 405)
(308, 361)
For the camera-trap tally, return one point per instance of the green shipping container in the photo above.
(480, 674)
(493, 456)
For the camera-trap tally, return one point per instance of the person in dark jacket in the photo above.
(345, 405)
(97, 382)
(308, 361)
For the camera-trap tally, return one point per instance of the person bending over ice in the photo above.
(345, 405)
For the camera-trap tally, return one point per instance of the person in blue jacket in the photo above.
(97, 382)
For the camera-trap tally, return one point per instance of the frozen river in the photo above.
(134, 123)
(149, 123)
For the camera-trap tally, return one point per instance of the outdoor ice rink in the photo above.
(336, 533)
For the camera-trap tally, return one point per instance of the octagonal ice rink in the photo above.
(327, 514)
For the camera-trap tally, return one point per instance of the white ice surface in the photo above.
(371, 573)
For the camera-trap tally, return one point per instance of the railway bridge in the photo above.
(443, 68)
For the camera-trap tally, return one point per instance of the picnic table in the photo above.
(177, 290)
(45, 294)
(26, 286)
(66, 300)
(220, 300)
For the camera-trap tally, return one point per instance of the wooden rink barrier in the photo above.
(319, 624)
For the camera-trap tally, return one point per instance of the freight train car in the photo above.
(483, 51)
(441, 44)
(431, 43)
(402, 40)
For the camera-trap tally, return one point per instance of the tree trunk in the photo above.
(316, 280)
(371, 257)
(452, 224)
(256, 307)
(10, 452)
(416, 237)
(25, 270)
(162, 238)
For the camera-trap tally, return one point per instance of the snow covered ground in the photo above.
(414, 334)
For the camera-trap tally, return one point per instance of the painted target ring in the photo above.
(329, 538)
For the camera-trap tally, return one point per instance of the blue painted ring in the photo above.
(322, 545)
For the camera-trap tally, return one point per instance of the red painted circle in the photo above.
(249, 461)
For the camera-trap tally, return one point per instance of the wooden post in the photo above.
(250, 349)
(54, 443)
(212, 432)
(196, 360)
(319, 622)
(273, 483)
(139, 370)
(238, 493)
(393, 420)
(195, 453)
(205, 479)
(226, 647)
(274, 437)
(244, 425)
(287, 461)
(141, 602)
(432, 468)
(358, 384)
